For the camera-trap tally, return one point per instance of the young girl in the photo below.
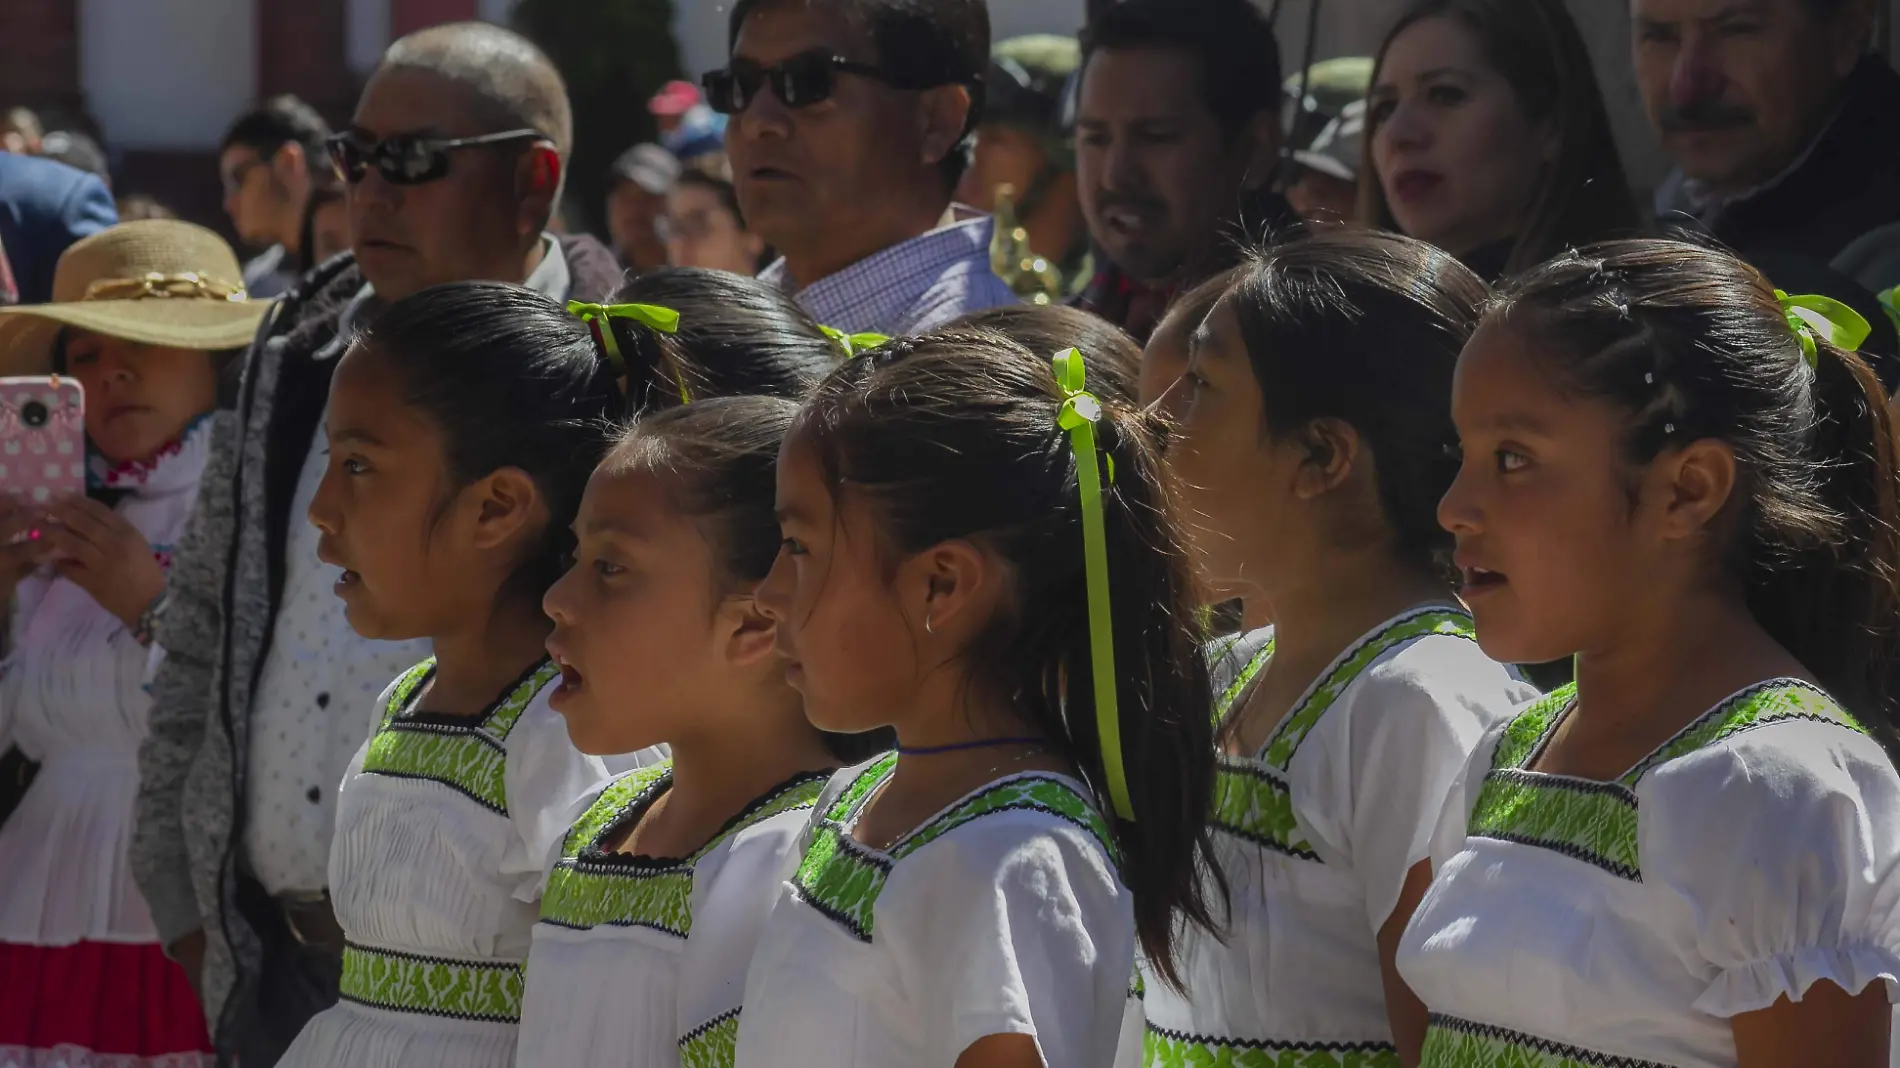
(1314, 458)
(976, 897)
(651, 913)
(462, 426)
(1692, 857)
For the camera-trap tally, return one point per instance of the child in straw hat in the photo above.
(140, 313)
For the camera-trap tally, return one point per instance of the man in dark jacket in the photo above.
(265, 692)
(44, 207)
(1784, 129)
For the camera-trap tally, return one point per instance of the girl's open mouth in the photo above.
(1477, 579)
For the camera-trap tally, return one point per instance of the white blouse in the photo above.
(1004, 914)
(1624, 923)
(1316, 834)
(641, 961)
(74, 699)
(446, 827)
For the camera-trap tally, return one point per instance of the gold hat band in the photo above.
(186, 285)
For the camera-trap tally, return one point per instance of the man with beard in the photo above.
(1177, 142)
(1784, 128)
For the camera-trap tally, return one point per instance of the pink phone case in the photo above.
(42, 438)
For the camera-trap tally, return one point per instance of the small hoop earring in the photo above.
(929, 628)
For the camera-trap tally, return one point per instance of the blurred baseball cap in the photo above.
(1337, 150)
(674, 98)
(648, 166)
(1330, 85)
(1030, 84)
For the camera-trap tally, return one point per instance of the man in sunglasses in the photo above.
(452, 167)
(851, 124)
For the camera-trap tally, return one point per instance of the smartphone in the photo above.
(42, 438)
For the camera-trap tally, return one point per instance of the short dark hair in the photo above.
(279, 121)
(513, 82)
(934, 42)
(1237, 53)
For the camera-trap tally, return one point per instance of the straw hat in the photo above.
(158, 281)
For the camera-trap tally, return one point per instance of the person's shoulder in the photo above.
(593, 272)
(22, 176)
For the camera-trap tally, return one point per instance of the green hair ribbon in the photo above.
(1890, 303)
(1079, 413)
(1812, 315)
(854, 345)
(600, 316)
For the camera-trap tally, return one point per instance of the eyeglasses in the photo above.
(799, 82)
(407, 159)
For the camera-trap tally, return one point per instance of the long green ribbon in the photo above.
(1811, 314)
(651, 316)
(1079, 413)
(854, 345)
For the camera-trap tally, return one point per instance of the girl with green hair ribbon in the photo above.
(979, 554)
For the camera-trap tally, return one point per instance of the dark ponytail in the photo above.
(1691, 343)
(954, 435)
(737, 337)
(509, 379)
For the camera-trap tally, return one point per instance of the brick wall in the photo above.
(301, 50)
(39, 57)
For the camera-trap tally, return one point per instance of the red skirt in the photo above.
(97, 1005)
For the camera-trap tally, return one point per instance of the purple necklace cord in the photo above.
(981, 743)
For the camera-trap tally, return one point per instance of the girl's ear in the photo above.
(1690, 487)
(746, 634)
(1331, 447)
(946, 590)
(506, 505)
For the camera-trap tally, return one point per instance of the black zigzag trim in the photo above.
(799, 892)
(1598, 860)
(1540, 1045)
(661, 928)
(706, 1028)
(1546, 780)
(479, 1017)
(1249, 770)
(1266, 1044)
(447, 730)
(490, 806)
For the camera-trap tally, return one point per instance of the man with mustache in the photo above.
(1177, 142)
(1784, 128)
(851, 123)
(452, 167)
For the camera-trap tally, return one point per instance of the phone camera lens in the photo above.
(34, 414)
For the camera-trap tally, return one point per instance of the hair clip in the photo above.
(1669, 429)
(599, 318)
(854, 345)
(1811, 315)
(1649, 378)
(1079, 413)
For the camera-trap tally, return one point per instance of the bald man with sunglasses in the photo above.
(851, 122)
(452, 165)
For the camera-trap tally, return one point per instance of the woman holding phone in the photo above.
(140, 316)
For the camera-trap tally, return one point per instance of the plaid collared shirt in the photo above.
(908, 288)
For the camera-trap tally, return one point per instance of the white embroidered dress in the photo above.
(1316, 834)
(446, 827)
(1004, 914)
(641, 961)
(1622, 924)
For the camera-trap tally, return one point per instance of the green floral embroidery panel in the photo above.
(1251, 800)
(713, 1044)
(583, 893)
(1596, 822)
(434, 987)
(842, 878)
(1166, 1049)
(469, 758)
(1454, 1043)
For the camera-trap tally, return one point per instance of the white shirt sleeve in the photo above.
(1371, 780)
(1784, 844)
(734, 888)
(1012, 924)
(545, 777)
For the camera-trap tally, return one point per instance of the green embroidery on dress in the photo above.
(861, 787)
(713, 1044)
(1251, 798)
(1596, 822)
(1250, 803)
(468, 757)
(1167, 1049)
(586, 890)
(1455, 1043)
(403, 982)
(842, 878)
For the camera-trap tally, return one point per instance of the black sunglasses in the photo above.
(408, 159)
(799, 82)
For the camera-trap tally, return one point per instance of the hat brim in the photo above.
(1326, 165)
(27, 331)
